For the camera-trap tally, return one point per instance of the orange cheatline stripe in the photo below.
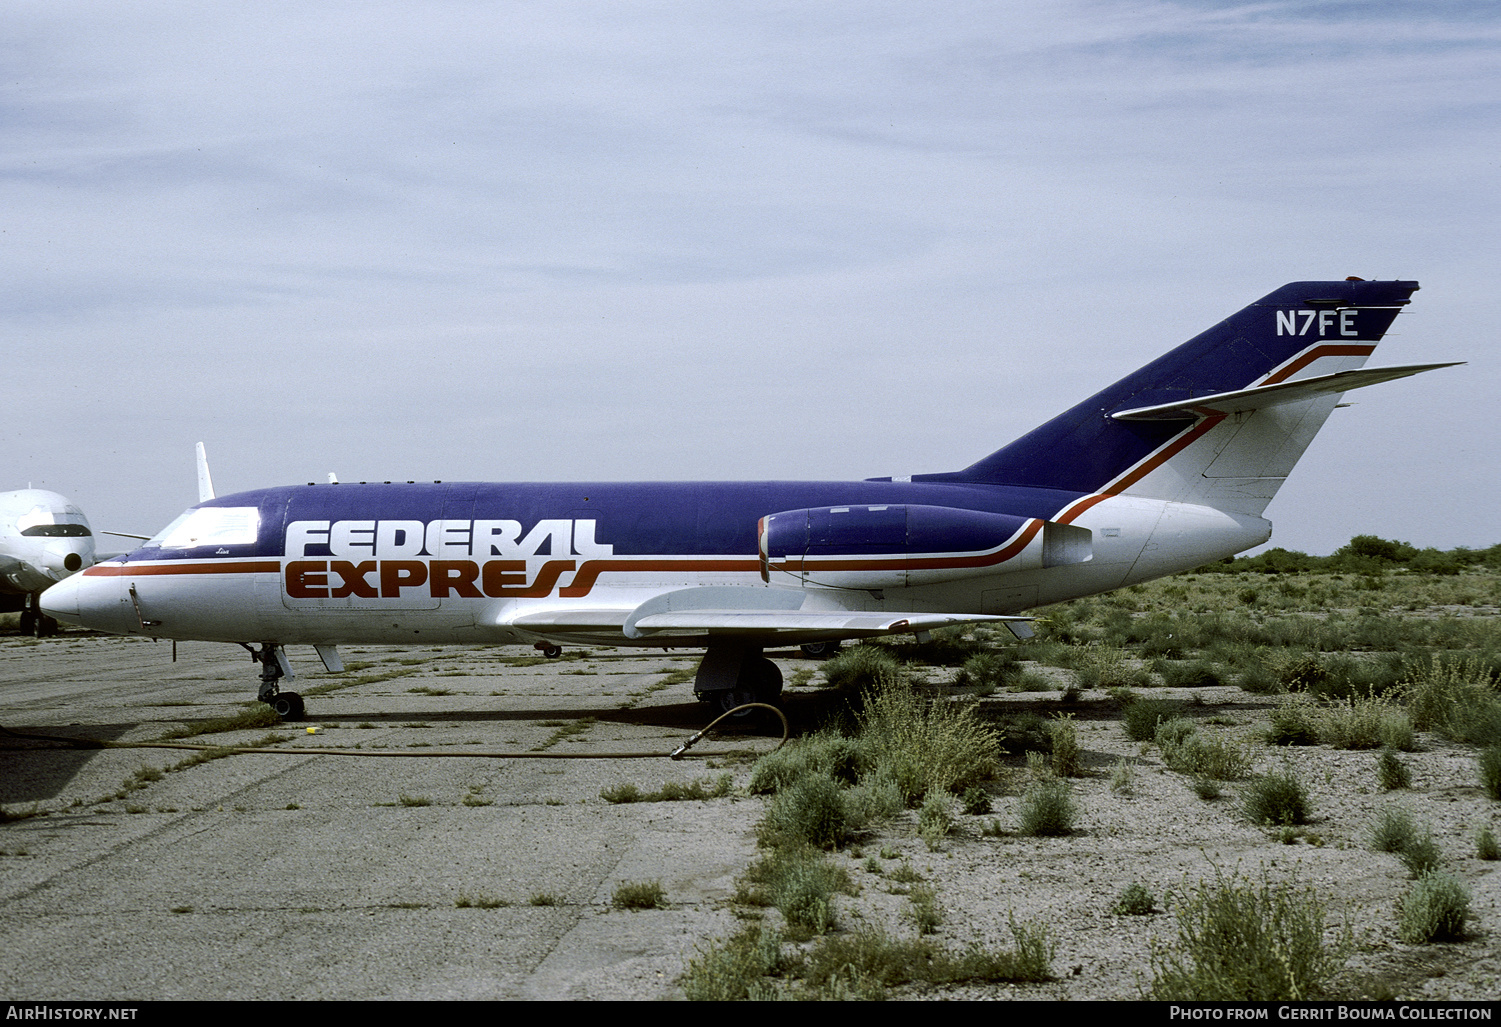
(220, 567)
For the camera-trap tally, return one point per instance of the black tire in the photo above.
(552, 652)
(288, 705)
(820, 650)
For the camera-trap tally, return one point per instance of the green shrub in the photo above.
(863, 668)
(826, 751)
(1488, 763)
(809, 811)
(801, 884)
(1372, 722)
(1143, 715)
(1392, 772)
(1047, 808)
(736, 969)
(976, 801)
(1485, 845)
(1394, 830)
(1457, 699)
(988, 671)
(935, 820)
(1277, 799)
(1293, 723)
(1135, 900)
(1421, 855)
(1435, 908)
(929, 745)
(1187, 751)
(1065, 751)
(1239, 941)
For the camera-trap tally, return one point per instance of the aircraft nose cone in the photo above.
(61, 600)
(91, 601)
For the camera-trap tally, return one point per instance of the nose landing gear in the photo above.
(274, 667)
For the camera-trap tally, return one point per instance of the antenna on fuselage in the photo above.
(205, 483)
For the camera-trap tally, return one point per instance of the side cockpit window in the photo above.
(210, 526)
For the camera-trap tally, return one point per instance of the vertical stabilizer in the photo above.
(1232, 459)
(205, 483)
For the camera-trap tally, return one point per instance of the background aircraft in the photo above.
(1167, 469)
(43, 539)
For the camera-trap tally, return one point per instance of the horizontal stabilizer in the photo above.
(1273, 395)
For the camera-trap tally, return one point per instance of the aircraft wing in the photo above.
(772, 615)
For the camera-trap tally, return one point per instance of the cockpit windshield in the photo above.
(58, 531)
(210, 526)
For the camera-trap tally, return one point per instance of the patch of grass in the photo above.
(482, 901)
(1277, 799)
(640, 895)
(1047, 809)
(1135, 900)
(924, 910)
(566, 729)
(671, 791)
(891, 962)
(258, 715)
(1435, 908)
(1421, 855)
(1485, 845)
(1242, 941)
(429, 690)
(545, 898)
(414, 800)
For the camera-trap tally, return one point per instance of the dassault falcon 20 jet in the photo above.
(1168, 469)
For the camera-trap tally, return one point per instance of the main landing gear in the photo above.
(274, 667)
(732, 676)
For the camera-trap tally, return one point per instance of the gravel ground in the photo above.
(310, 877)
(1162, 835)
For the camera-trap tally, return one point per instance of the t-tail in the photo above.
(1222, 419)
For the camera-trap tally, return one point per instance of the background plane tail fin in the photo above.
(1220, 420)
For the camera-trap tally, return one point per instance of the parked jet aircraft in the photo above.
(1167, 469)
(43, 539)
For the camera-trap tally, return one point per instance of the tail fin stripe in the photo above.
(1310, 355)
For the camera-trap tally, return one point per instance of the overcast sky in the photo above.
(617, 240)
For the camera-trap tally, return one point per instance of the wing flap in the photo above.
(802, 625)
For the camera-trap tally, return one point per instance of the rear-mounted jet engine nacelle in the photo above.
(871, 547)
